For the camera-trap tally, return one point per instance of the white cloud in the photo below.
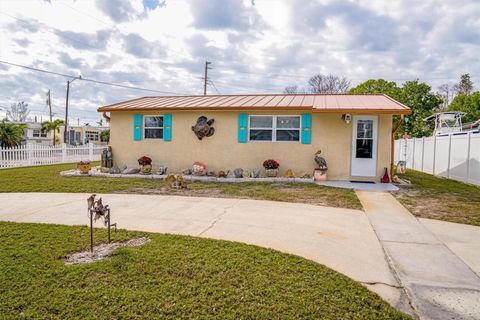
(254, 48)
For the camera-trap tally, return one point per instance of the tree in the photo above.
(414, 94)
(105, 135)
(291, 89)
(378, 86)
(18, 112)
(423, 102)
(54, 126)
(328, 84)
(465, 86)
(470, 104)
(11, 134)
(446, 92)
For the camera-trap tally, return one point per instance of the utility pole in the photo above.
(206, 78)
(66, 114)
(66, 108)
(49, 101)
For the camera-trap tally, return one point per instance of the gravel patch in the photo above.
(102, 251)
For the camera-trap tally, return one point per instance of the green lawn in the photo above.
(439, 198)
(169, 277)
(47, 179)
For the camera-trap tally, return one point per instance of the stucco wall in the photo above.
(223, 152)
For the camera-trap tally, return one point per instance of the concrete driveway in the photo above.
(385, 248)
(341, 239)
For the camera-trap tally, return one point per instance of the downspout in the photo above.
(392, 145)
(104, 114)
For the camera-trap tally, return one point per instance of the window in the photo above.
(274, 128)
(92, 136)
(153, 127)
(39, 133)
(364, 141)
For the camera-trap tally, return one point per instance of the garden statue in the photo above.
(199, 169)
(203, 128)
(96, 210)
(131, 171)
(177, 182)
(289, 174)
(107, 158)
(223, 174)
(84, 167)
(238, 173)
(246, 173)
(256, 173)
(115, 169)
(162, 170)
(210, 173)
(321, 170)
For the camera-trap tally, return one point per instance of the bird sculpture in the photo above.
(322, 164)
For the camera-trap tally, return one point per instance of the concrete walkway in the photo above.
(341, 239)
(439, 283)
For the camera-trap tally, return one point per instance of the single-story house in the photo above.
(354, 132)
(80, 135)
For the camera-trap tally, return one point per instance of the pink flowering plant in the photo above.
(271, 164)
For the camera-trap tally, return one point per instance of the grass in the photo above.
(439, 198)
(47, 179)
(170, 277)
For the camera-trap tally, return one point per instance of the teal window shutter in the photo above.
(306, 128)
(242, 127)
(167, 127)
(137, 127)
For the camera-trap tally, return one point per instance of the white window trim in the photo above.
(145, 127)
(274, 128)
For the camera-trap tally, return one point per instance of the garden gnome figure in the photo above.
(321, 170)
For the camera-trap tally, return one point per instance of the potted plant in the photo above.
(145, 165)
(271, 167)
(84, 167)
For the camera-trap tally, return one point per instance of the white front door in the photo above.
(364, 146)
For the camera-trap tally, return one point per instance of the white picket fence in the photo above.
(34, 155)
(455, 156)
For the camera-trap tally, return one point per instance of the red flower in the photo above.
(271, 164)
(144, 161)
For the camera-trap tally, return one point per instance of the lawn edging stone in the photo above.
(190, 178)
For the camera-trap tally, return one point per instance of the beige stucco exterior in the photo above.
(223, 152)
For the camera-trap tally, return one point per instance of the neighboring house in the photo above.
(354, 132)
(33, 134)
(79, 135)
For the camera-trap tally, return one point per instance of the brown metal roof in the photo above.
(352, 103)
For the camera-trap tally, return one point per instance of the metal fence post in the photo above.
(449, 154)
(468, 156)
(64, 152)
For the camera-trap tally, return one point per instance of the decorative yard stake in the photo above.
(97, 210)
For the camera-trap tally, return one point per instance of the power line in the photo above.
(90, 80)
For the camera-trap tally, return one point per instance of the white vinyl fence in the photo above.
(455, 156)
(34, 155)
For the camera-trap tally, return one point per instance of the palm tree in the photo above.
(11, 134)
(54, 126)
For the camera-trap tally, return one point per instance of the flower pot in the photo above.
(84, 168)
(271, 173)
(146, 169)
(320, 175)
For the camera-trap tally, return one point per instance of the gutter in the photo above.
(392, 145)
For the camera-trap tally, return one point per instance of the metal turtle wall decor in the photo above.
(203, 128)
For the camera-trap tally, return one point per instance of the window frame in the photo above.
(144, 127)
(33, 133)
(89, 134)
(274, 128)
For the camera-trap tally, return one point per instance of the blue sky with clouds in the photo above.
(255, 46)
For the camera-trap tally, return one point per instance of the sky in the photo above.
(255, 46)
